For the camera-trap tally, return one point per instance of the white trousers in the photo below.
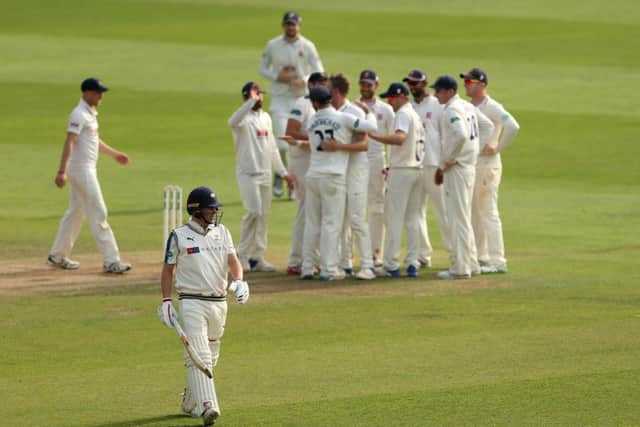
(375, 198)
(203, 322)
(298, 167)
(255, 191)
(402, 208)
(324, 213)
(279, 110)
(355, 220)
(458, 192)
(485, 217)
(85, 199)
(434, 193)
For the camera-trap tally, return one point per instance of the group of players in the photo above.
(349, 186)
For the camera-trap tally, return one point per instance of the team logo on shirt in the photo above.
(262, 133)
(296, 112)
(301, 54)
(455, 119)
(193, 250)
(74, 125)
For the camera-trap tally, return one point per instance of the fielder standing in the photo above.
(377, 161)
(402, 206)
(485, 216)
(296, 136)
(429, 111)
(78, 164)
(201, 254)
(256, 154)
(287, 61)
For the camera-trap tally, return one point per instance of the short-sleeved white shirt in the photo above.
(411, 152)
(384, 115)
(202, 260)
(301, 111)
(83, 121)
(429, 111)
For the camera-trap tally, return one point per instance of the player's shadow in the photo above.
(157, 421)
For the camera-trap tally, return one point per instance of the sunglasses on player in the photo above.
(468, 82)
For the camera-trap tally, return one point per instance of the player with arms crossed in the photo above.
(405, 167)
(256, 154)
(485, 216)
(377, 161)
(287, 61)
(296, 136)
(326, 183)
(201, 255)
(78, 165)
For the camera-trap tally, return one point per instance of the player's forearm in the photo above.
(393, 139)
(235, 268)
(294, 128)
(237, 117)
(66, 153)
(166, 280)
(276, 160)
(265, 70)
(509, 131)
(107, 149)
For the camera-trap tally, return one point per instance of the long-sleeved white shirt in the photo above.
(429, 110)
(410, 153)
(279, 52)
(459, 133)
(256, 149)
(358, 159)
(505, 129)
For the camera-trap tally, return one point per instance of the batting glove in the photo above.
(241, 289)
(167, 313)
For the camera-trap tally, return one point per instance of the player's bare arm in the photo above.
(397, 138)
(61, 175)
(235, 267)
(118, 156)
(166, 279)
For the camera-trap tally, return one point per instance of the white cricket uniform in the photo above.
(326, 188)
(355, 221)
(384, 115)
(85, 195)
(402, 205)
(485, 217)
(256, 154)
(278, 53)
(429, 110)
(298, 165)
(459, 133)
(201, 260)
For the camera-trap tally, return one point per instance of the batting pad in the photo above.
(199, 385)
(214, 346)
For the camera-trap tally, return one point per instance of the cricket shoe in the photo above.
(447, 275)
(294, 270)
(383, 272)
(490, 269)
(306, 276)
(348, 271)
(412, 271)
(278, 191)
(188, 405)
(63, 263)
(366, 274)
(209, 417)
(331, 277)
(261, 266)
(117, 267)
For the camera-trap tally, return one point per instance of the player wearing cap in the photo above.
(460, 134)
(256, 155)
(429, 111)
(402, 207)
(485, 216)
(297, 138)
(355, 221)
(201, 254)
(377, 161)
(287, 61)
(326, 183)
(78, 165)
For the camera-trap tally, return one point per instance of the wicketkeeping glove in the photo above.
(241, 289)
(167, 313)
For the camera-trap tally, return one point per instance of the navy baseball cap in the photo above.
(445, 82)
(93, 84)
(415, 76)
(248, 86)
(291, 16)
(320, 94)
(369, 76)
(475, 74)
(317, 77)
(395, 89)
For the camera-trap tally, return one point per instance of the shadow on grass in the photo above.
(150, 421)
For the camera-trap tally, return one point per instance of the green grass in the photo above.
(554, 342)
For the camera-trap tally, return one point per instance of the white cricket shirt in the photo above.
(429, 110)
(301, 111)
(459, 133)
(384, 115)
(279, 52)
(411, 152)
(357, 159)
(505, 129)
(83, 121)
(256, 149)
(201, 258)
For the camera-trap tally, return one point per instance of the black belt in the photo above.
(202, 297)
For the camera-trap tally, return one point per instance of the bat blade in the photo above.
(192, 354)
